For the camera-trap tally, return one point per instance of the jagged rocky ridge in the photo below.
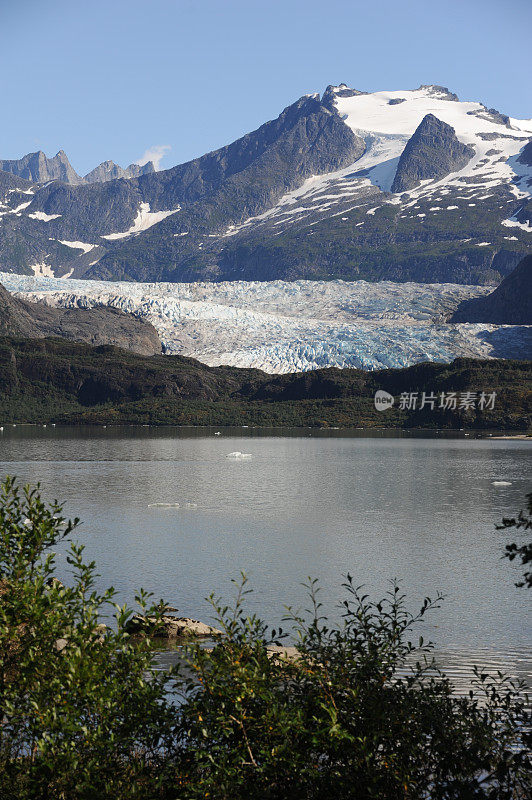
(308, 195)
(97, 326)
(109, 171)
(38, 168)
(509, 304)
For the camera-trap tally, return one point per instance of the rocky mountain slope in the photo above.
(109, 171)
(97, 326)
(404, 185)
(432, 152)
(510, 303)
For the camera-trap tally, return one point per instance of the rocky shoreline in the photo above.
(169, 626)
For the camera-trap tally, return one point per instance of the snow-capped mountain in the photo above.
(281, 326)
(402, 185)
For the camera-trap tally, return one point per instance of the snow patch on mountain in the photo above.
(145, 219)
(20, 208)
(42, 216)
(78, 245)
(514, 223)
(372, 114)
(42, 269)
(283, 326)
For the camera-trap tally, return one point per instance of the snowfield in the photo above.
(283, 326)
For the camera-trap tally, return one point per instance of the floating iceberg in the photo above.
(238, 456)
(163, 505)
(501, 483)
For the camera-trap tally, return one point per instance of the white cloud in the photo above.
(155, 153)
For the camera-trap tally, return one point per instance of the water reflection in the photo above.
(307, 503)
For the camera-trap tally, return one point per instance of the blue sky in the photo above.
(117, 78)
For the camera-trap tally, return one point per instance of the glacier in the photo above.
(281, 326)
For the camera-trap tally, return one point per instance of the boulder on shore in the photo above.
(169, 627)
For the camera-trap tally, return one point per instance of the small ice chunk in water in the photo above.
(163, 505)
(238, 456)
(501, 483)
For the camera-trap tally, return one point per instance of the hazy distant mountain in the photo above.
(108, 171)
(37, 168)
(407, 185)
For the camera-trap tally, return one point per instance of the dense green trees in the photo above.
(355, 710)
(57, 381)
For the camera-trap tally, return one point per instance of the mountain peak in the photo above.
(442, 92)
(433, 151)
(109, 171)
(38, 168)
(332, 93)
(305, 196)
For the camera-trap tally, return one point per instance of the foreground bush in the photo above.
(521, 551)
(79, 716)
(354, 711)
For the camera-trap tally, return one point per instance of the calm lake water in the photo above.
(315, 503)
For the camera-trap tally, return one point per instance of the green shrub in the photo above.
(82, 715)
(357, 711)
(521, 551)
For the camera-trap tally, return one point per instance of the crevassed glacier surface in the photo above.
(283, 326)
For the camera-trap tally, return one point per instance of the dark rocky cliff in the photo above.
(433, 151)
(509, 304)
